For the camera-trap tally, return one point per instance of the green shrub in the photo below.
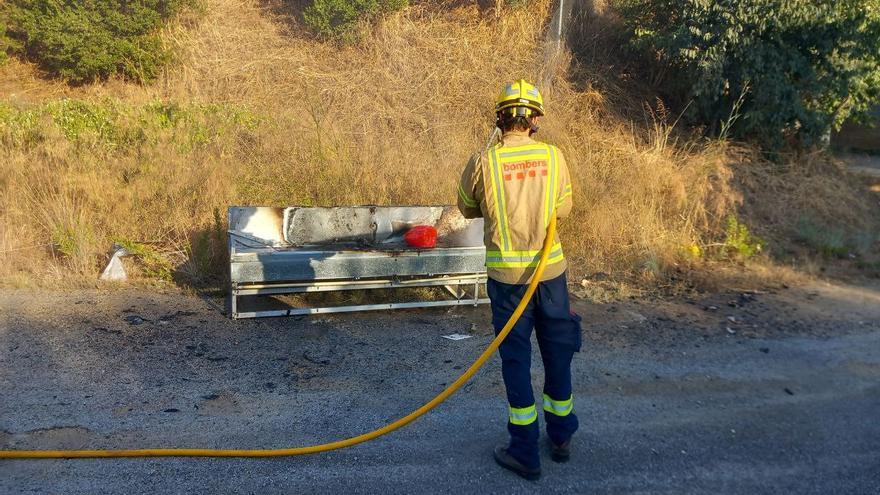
(112, 125)
(802, 66)
(77, 118)
(739, 241)
(338, 19)
(86, 40)
(19, 127)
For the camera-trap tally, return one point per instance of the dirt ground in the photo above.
(759, 392)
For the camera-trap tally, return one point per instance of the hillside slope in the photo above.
(255, 111)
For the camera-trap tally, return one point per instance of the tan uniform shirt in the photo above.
(515, 186)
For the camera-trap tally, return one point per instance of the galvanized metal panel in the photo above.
(295, 265)
(264, 288)
(362, 307)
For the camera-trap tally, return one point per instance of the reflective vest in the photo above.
(516, 186)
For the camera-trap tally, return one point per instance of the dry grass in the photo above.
(277, 118)
(810, 185)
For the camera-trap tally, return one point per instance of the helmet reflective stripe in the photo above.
(523, 415)
(558, 407)
(521, 99)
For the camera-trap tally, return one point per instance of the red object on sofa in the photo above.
(421, 236)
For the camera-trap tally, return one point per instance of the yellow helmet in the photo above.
(520, 99)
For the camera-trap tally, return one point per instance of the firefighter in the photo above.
(516, 185)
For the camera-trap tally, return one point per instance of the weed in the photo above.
(68, 226)
(76, 119)
(153, 263)
(74, 241)
(206, 256)
(111, 124)
(338, 19)
(739, 241)
(18, 127)
(166, 115)
(835, 242)
(829, 242)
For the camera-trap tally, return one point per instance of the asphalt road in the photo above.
(774, 392)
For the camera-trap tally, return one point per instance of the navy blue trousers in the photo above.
(558, 332)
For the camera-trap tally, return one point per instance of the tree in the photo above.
(771, 70)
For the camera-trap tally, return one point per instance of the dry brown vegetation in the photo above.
(257, 112)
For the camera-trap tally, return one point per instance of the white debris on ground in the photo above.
(114, 271)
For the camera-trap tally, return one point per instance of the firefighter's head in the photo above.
(518, 107)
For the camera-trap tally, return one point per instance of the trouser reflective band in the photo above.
(558, 407)
(523, 415)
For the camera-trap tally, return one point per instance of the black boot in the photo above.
(560, 453)
(507, 461)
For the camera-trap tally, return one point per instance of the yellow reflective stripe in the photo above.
(500, 202)
(565, 193)
(548, 195)
(521, 151)
(523, 415)
(553, 185)
(467, 200)
(523, 264)
(530, 157)
(529, 252)
(496, 261)
(558, 407)
(530, 152)
(549, 203)
(499, 157)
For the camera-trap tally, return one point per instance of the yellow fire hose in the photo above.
(314, 449)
